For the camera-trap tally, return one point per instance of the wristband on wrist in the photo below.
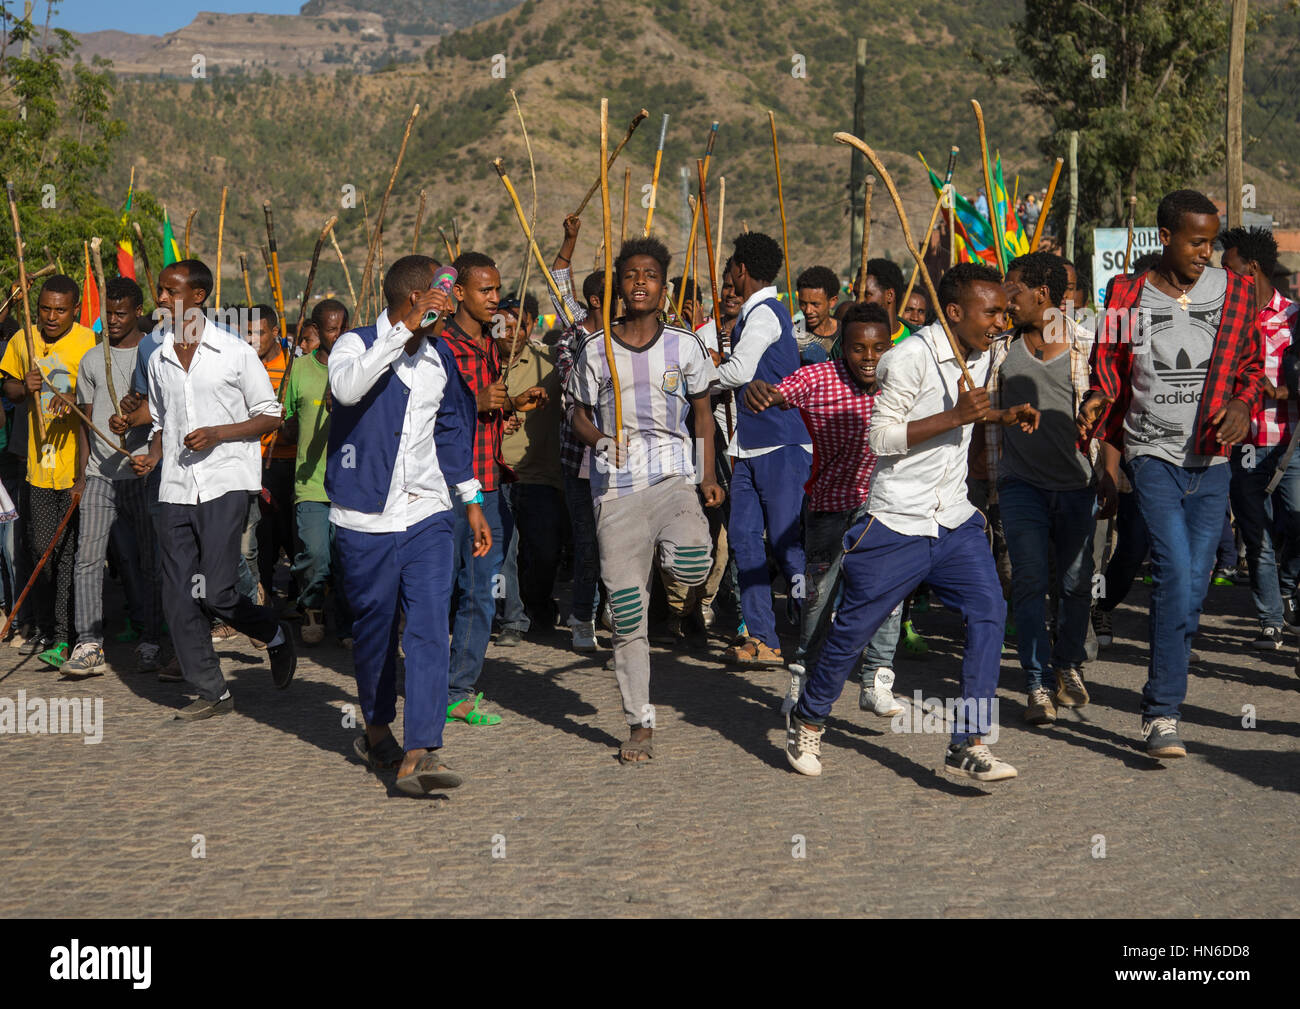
(476, 499)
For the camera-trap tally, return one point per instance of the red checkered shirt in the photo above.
(837, 413)
(1273, 422)
(481, 366)
(1236, 367)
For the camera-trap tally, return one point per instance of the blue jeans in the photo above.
(538, 513)
(1270, 528)
(1183, 510)
(317, 559)
(881, 569)
(586, 552)
(478, 587)
(513, 615)
(1037, 521)
(767, 494)
(1131, 546)
(823, 547)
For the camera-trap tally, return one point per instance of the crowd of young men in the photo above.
(803, 478)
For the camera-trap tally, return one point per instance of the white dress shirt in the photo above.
(762, 329)
(417, 489)
(915, 491)
(226, 384)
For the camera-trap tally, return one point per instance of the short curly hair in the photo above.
(759, 254)
(651, 247)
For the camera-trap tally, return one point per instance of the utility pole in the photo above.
(1073, 213)
(1236, 59)
(858, 164)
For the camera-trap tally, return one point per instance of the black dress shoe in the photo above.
(284, 658)
(201, 708)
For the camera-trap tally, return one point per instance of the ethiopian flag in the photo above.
(971, 229)
(1014, 240)
(125, 250)
(171, 251)
(89, 297)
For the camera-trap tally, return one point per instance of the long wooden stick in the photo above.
(451, 253)
(277, 284)
(383, 204)
(627, 188)
(40, 565)
(106, 439)
(518, 345)
(606, 166)
(722, 206)
(998, 233)
(690, 245)
(419, 219)
(144, 258)
(248, 288)
(347, 275)
(866, 238)
(221, 234)
(25, 286)
(44, 271)
(499, 165)
(189, 221)
(780, 199)
(1128, 245)
(609, 269)
(270, 276)
(695, 279)
(455, 236)
(878, 165)
(925, 244)
(98, 261)
(654, 178)
(713, 274)
(1047, 203)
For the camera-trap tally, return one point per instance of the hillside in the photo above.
(298, 140)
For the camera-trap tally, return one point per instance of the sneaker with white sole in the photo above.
(1070, 691)
(1161, 734)
(1040, 710)
(877, 694)
(1101, 626)
(798, 677)
(86, 658)
(584, 634)
(1269, 640)
(803, 746)
(974, 759)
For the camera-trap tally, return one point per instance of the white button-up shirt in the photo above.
(417, 489)
(761, 330)
(915, 491)
(226, 384)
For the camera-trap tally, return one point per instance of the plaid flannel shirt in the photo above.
(572, 451)
(1273, 421)
(1236, 365)
(481, 367)
(1080, 351)
(564, 281)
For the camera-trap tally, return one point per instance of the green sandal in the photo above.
(913, 643)
(55, 656)
(475, 717)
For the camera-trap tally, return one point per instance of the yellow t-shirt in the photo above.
(54, 463)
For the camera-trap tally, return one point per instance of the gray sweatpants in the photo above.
(666, 517)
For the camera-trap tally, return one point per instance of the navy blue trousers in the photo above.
(383, 575)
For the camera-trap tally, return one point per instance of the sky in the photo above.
(146, 17)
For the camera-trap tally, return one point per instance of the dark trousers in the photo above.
(538, 510)
(200, 557)
(53, 589)
(276, 531)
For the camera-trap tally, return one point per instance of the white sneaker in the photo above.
(1269, 640)
(877, 694)
(798, 677)
(975, 760)
(803, 746)
(584, 634)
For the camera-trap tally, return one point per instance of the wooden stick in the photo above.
(221, 234)
(347, 275)
(106, 439)
(383, 204)
(365, 277)
(695, 275)
(925, 244)
(451, 253)
(713, 275)
(690, 244)
(36, 572)
(45, 270)
(499, 165)
(998, 233)
(419, 219)
(103, 326)
(25, 286)
(518, 345)
(248, 288)
(277, 285)
(866, 239)
(270, 277)
(722, 206)
(627, 188)
(609, 267)
(852, 141)
(654, 178)
(455, 235)
(144, 257)
(952, 210)
(780, 199)
(1047, 203)
(1128, 245)
(636, 121)
(189, 221)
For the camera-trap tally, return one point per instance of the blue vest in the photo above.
(771, 427)
(363, 437)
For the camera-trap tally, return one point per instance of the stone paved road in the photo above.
(292, 824)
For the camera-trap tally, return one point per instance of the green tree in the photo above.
(1139, 80)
